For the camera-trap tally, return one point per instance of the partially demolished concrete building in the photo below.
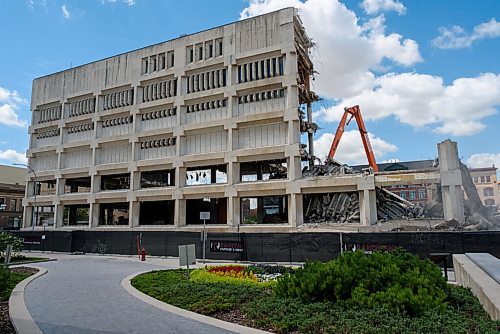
(204, 123)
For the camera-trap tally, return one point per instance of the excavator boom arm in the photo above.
(356, 113)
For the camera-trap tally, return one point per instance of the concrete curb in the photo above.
(19, 315)
(185, 313)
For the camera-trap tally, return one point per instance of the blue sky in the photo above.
(421, 70)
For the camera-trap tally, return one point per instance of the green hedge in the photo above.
(397, 281)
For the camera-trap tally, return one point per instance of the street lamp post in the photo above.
(35, 210)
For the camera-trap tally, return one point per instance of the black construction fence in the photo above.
(261, 247)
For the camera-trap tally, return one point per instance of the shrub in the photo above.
(9, 239)
(4, 279)
(397, 281)
(263, 269)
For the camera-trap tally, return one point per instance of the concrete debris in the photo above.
(340, 208)
(331, 167)
(392, 206)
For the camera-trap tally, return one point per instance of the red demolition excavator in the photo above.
(354, 112)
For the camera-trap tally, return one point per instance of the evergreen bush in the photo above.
(397, 281)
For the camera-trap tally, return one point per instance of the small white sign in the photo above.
(204, 215)
(43, 237)
(187, 255)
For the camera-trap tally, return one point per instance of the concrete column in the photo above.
(180, 213)
(27, 216)
(294, 168)
(96, 183)
(94, 215)
(133, 214)
(235, 210)
(58, 215)
(136, 180)
(295, 210)
(367, 207)
(451, 181)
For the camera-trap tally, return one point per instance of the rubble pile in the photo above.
(391, 206)
(330, 167)
(336, 208)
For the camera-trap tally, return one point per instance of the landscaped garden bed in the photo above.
(9, 278)
(356, 293)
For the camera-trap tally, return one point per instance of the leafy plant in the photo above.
(238, 277)
(9, 239)
(397, 281)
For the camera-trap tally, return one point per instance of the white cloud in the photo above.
(424, 100)
(9, 117)
(484, 160)
(456, 37)
(373, 7)
(346, 50)
(127, 2)
(65, 12)
(350, 149)
(9, 103)
(12, 156)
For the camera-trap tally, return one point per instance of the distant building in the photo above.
(485, 180)
(12, 185)
(415, 191)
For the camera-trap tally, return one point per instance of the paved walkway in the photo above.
(82, 295)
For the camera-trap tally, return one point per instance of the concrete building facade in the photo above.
(12, 189)
(209, 122)
(485, 180)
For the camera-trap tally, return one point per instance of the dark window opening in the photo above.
(44, 215)
(210, 51)
(114, 214)
(220, 48)
(224, 77)
(77, 185)
(161, 61)
(281, 66)
(115, 182)
(200, 53)
(158, 178)
(245, 75)
(206, 175)
(157, 213)
(216, 206)
(264, 210)
(239, 74)
(268, 67)
(191, 55)
(76, 215)
(46, 188)
(275, 70)
(263, 170)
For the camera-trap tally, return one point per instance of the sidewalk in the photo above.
(81, 294)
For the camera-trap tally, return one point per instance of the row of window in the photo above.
(15, 204)
(49, 114)
(215, 174)
(412, 194)
(82, 107)
(157, 62)
(255, 210)
(204, 51)
(482, 179)
(256, 70)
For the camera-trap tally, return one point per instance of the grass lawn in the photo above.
(16, 276)
(256, 306)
